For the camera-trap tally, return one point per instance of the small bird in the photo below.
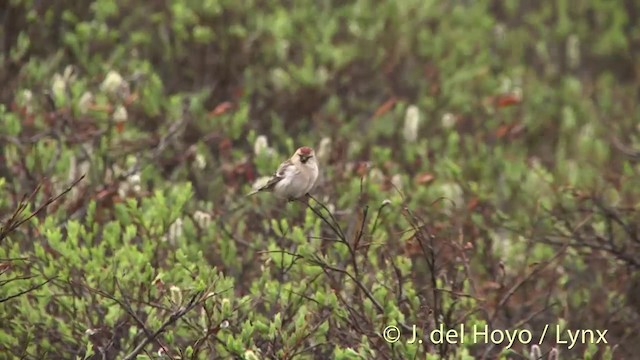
(295, 177)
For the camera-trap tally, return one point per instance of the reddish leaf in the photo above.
(362, 168)
(103, 194)
(473, 203)
(120, 127)
(221, 108)
(503, 130)
(4, 266)
(159, 284)
(424, 178)
(384, 108)
(505, 100)
(224, 145)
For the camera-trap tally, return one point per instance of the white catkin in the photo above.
(85, 102)
(411, 123)
(58, 85)
(120, 115)
(27, 100)
(202, 218)
(324, 150)
(111, 82)
(175, 231)
(260, 145)
(448, 120)
(200, 162)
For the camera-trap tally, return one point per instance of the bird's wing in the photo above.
(281, 173)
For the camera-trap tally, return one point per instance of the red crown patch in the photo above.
(305, 150)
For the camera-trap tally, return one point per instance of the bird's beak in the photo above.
(304, 158)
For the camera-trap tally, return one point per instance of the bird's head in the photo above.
(304, 154)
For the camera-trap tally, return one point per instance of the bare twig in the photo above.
(13, 223)
(175, 316)
(30, 289)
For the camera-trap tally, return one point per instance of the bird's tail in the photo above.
(254, 192)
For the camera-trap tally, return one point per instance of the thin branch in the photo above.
(32, 288)
(175, 316)
(12, 224)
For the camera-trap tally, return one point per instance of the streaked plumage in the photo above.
(295, 177)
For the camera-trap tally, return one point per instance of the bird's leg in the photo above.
(305, 199)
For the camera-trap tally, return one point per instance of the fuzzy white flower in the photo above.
(587, 131)
(112, 82)
(200, 161)
(131, 185)
(85, 102)
(250, 355)
(202, 218)
(324, 150)
(322, 74)
(499, 32)
(58, 86)
(411, 123)
(535, 352)
(517, 92)
(27, 99)
(176, 294)
(69, 74)
(135, 181)
(120, 115)
(448, 120)
(175, 231)
(280, 78)
(260, 145)
(331, 208)
(573, 50)
(505, 85)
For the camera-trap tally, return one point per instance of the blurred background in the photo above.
(480, 159)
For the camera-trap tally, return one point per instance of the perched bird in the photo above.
(295, 177)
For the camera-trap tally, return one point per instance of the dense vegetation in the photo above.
(480, 166)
